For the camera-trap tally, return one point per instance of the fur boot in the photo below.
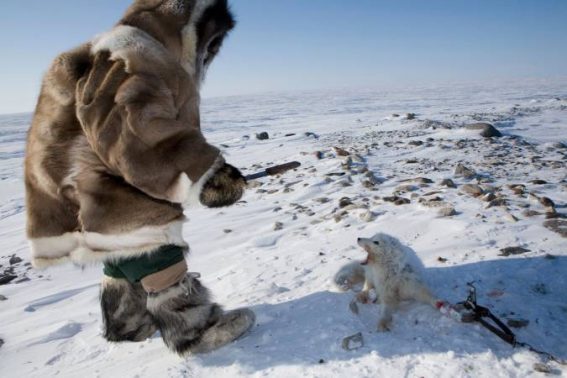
(124, 313)
(190, 323)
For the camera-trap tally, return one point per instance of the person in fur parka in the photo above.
(115, 152)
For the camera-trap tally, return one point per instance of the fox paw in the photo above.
(363, 297)
(384, 325)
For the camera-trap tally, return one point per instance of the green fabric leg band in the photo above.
(134, 269)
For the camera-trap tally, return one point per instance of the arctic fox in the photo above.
(387, 271)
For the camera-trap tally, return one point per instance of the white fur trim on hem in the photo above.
(188, 193)
(85, 248)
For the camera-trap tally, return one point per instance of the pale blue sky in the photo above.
(310, 44)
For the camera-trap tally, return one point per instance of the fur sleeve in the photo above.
(146, 129)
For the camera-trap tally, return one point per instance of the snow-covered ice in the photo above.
(50, 322)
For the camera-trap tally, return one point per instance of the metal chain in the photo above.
(479, 313)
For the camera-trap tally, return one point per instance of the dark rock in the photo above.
(552, 214)
(497, 202)
(415, 143)
(395, 115)
(557, 225)
(487, 130)
(321, 361)
(489, 197)
(442, 259)
(1, 343)
(278, 226)
(341, 152)
(448, 183)
(6, 278)
(538, 182)
(518, 189)
(290, 134)
(401, 201)
(15, 260)
(3, 297)
(546, 202)
(345, 201)
(310, 134)
(513, 251)
(518, 323)
(410, 116)
(262, 136)
(530, 213)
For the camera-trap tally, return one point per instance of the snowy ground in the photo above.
(50, 320)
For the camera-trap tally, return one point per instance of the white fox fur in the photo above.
(387, 271)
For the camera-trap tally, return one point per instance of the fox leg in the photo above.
(365, 296)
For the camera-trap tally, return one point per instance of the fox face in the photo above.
(379, 247)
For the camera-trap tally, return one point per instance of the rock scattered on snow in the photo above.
(15, 260)
(341, 151)
(488, 197)
(542, 368)
(513, 251)
(462, 171)
(278, 226)
(344, 202)
(447, 211)
(530, 213)
(487, 130)
(353, 342)
(472, 189)
(497, 202)
(401, 201)
(263, 136)
(448, 183)
(546, 202)
(557, 225)
(410, 116)
(396, 200)
(6, 278)
(3, 297)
